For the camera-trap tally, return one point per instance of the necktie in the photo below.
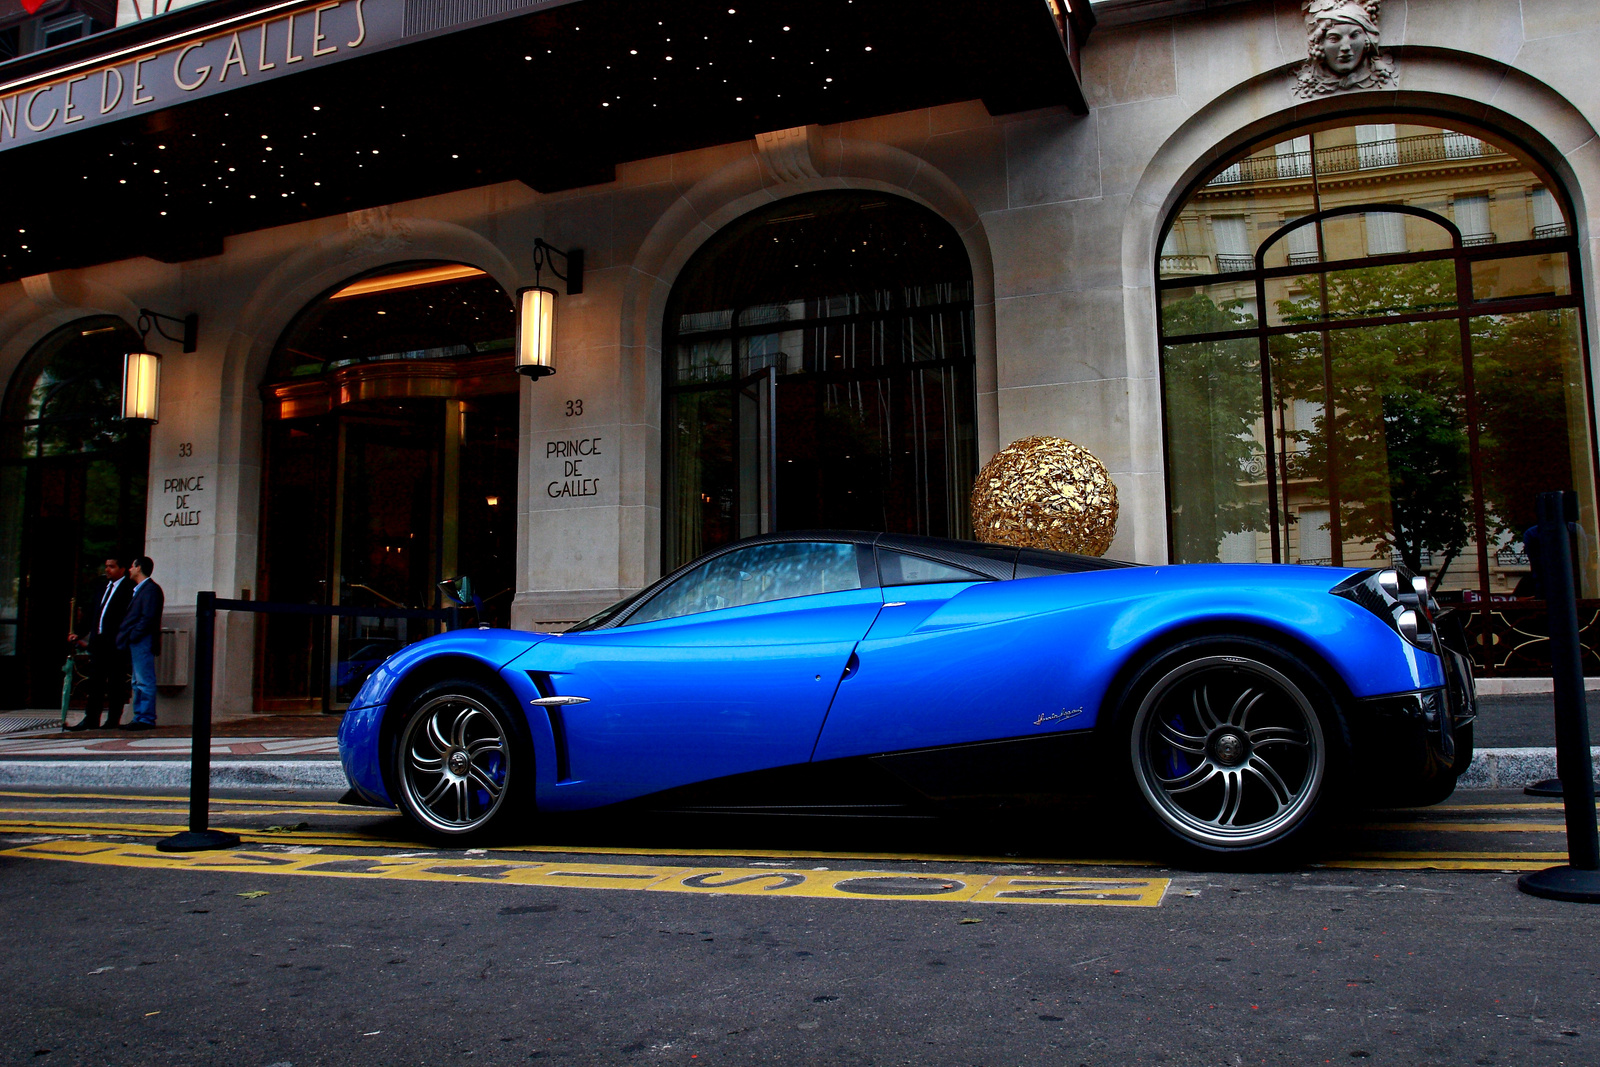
(105, 601)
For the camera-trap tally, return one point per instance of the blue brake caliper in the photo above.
(1179, 762)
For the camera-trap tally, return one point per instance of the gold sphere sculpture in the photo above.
(1045, 492)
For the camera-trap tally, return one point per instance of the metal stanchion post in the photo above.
(199, 836)
(1579, 880)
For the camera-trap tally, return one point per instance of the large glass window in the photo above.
(819, 374)
(1372, 352)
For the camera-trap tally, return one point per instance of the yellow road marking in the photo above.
(956, 887)
(1543, 858)
(315, 837)
(1382, 860)
(1532, 805)
(1443, 865)
(1379, 860)
(1470, 827)
(287, 809)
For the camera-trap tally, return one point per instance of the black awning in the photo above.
(554, 95)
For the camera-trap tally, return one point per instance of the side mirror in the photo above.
(459, 590)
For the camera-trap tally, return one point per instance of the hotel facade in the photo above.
(1315, 282)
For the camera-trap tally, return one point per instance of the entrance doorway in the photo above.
(391, 466)
(72, 494)
(819, 373)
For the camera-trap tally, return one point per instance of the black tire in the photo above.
(462, 766)
(1232, 745)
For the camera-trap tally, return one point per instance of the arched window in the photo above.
(1371, 352)
(72, 493)
(819, 373)
(391, 438)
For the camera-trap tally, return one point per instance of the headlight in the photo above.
(1411, 626)
(1399, 598)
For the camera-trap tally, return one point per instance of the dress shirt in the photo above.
(105, 602)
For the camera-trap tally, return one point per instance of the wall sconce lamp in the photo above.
(536, 310)
(141, 370)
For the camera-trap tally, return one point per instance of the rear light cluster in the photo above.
(1399, 598)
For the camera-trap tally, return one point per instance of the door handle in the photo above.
(557, 702)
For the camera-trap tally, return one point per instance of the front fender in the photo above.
(360, 748)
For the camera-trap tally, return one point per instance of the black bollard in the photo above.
(1579, 880)
(199, 837)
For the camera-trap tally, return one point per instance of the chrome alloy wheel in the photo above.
(1229, 752)
(454, 764)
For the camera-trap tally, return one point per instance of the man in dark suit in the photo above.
(108, 665)
(140, 635)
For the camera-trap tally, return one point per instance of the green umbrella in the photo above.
(67, 670)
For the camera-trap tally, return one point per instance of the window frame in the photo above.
(1466, 308)
(866, 577)
(963, 369)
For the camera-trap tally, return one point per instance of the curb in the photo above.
(1506, 687)
(173, 774)
(1513, 768)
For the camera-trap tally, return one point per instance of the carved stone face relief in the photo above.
(1342, 49)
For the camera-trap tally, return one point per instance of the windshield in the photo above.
(600, 618)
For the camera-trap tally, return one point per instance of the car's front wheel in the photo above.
(458, 760)
(1228, 746)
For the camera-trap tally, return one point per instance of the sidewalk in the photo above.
(263, 751)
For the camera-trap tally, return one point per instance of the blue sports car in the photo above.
(1230, 702)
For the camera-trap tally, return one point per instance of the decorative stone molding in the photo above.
(73, 291)
(375, 231)
(790, 154)
(1343, 49)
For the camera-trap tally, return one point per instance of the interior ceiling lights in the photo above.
(410, 279)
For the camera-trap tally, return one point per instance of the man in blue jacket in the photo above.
(140, 635)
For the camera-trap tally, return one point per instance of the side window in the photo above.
(756, 575)
(897, 568)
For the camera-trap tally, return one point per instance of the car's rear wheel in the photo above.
(1229, 747)
(459, 762)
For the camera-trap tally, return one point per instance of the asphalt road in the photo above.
(331, 936)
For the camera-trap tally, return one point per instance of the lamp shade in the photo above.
(141, 386)
(536, 330)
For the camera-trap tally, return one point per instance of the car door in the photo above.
(902, 696)
(729, 669)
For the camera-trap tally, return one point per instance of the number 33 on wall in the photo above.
(574, 407)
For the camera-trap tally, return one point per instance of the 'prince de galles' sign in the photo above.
(207, 60)
(230, 53)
